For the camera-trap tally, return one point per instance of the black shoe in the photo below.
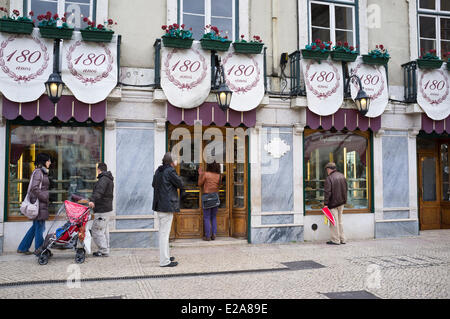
(172, 264)
(331, 243)
(343, 243)
(172, 258)
(100, 254)
(213, 237)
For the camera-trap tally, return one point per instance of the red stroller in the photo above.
(71, 235)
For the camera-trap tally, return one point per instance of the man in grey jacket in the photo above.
(165, 203)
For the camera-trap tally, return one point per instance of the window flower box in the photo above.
(99, 33)
(15, 23)
(317, 51)
(378, 56)
(252, 47)
(429, 60)
(343, 52)
(212, 40)
(48, 27)
(177, 37)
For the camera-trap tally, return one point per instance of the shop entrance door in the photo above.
(430, 208)
(232, 212)
(434, 183)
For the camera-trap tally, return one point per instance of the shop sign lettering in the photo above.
(185, 69)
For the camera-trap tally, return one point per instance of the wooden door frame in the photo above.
(229, 182)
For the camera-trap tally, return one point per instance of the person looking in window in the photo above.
(335, 198)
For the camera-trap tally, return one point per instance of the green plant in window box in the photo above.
(378, 56)
(212, 40)
(344, 52)
(317, 51)
(429, 60)
(48, 26)
(99, 33)
(177, 37)
(253, 46)
(15, 23)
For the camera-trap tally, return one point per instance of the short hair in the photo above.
(103, 167)
(213, 167)
(331, 165)
(167, 159)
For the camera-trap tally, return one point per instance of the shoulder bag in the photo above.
(27, 208)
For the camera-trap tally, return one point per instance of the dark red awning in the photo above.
(210, 113)
(68, 107)
(343, 118)
(430, 125)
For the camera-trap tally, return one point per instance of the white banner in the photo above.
(433, 92)
(324, 86)
(186, 75)
(244, 75)
(89, 69)
(374, 82)
(26, 62)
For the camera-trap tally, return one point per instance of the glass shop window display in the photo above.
(351, 153)
(74, 152)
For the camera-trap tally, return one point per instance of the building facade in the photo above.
(395, 161)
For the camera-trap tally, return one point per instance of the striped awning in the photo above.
(67, 108)
(210, 113)
(343, 118)
(430, 125)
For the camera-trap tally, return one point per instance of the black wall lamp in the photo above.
(222, 92)
(54, 85)
(362, 100)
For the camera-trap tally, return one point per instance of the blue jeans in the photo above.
(210, 221)
(36, 232)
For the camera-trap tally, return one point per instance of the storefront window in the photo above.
(350, 152)
(74, 152)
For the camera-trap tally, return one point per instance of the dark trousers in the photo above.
(210, 221)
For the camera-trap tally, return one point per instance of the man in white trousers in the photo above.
(165, 203)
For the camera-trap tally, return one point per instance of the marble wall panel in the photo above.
(395, 171)
(134, 168)
(277, 173)
(276, 235)
(396, 229)
(277, 219)
(135, 223)
(133, 239)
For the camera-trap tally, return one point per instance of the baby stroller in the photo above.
(71, 235)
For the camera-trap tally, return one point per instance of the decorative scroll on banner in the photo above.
(374, 82)
(244, 75)
(186, 75)
(324, 86)
(433, 92)
(89, 69)
(26, 62)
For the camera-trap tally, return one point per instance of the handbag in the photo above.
(210, 200)
(27, 208)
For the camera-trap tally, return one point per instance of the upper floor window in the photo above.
(196, 14)
(76, 10)
(330, 21)
(434, 26)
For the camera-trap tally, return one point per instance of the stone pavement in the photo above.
(408, 267)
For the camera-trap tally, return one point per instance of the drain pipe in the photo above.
(275, 41)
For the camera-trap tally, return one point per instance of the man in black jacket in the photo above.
(166, 202)
(101, 201)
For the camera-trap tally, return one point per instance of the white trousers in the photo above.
(165, 225)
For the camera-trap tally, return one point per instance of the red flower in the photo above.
(85, 19)
(381, 47)
(352, 48)
(339, 43)
(63, 19)
(314, 47)
(16, 12)
(40, 17)
(100, 27)
(322, 46)
(110, 22)
(48, 15)
(31, 13)
(346, 44)
(175, 25)
(242, 36)
(182, 26)
(56, 16)
(164, 27)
